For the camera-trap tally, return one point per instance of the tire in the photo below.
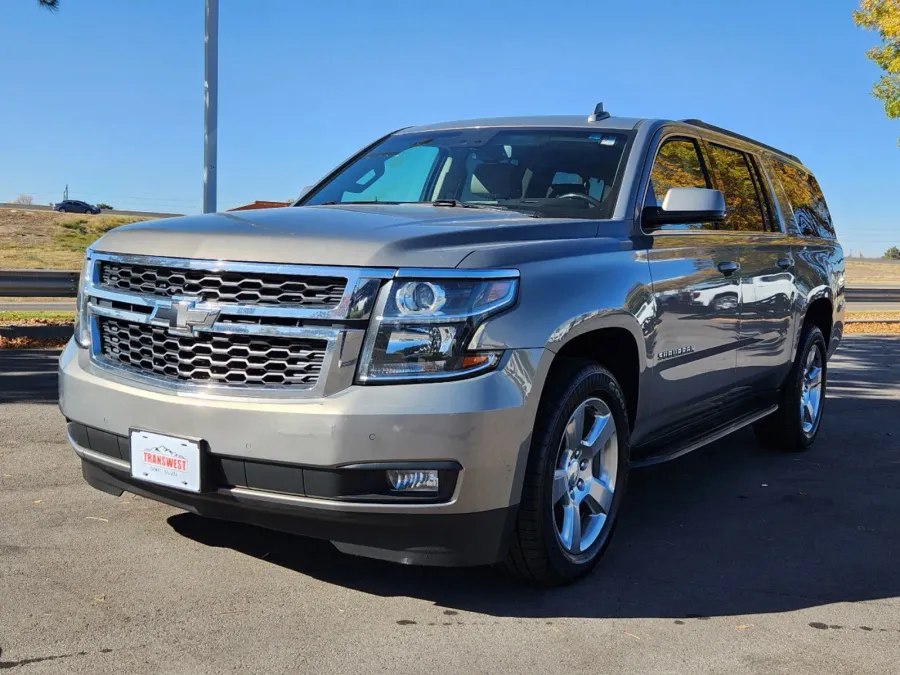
(724, 303)
(61, 210)
(785, 430)
(553, 496)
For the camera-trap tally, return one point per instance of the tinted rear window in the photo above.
(805, 200)
(733, 169)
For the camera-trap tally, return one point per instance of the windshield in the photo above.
(564, 173)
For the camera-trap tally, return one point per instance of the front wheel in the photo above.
(576, 477)
(795, 425)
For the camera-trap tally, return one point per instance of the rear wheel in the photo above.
(576, 477)
(796, 424)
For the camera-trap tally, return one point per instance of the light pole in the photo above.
(211, 106)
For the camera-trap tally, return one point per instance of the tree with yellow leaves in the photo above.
(883, 16)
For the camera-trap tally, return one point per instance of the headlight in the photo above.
(82, 324)
(421, 328)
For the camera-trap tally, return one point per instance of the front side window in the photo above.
(547, 172)
(677, 165)
(805, 200)
(742, 201)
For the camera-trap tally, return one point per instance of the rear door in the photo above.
(696, 284)
(767, 268)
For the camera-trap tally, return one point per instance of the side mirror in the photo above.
(686, 205)
(305, 190)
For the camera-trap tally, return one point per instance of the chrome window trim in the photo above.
(723, 233)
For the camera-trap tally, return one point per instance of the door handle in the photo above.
(728, 267)
(785, 263)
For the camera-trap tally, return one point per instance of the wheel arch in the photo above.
(614, 341)
(818, 307)
(820, 312)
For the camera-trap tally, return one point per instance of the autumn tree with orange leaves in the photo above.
(883, 17)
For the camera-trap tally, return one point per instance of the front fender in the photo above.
(564, 298)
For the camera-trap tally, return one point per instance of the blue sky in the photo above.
(107, 96)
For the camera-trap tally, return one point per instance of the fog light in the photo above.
(413, 481)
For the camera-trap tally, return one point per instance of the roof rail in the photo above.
(720, 130)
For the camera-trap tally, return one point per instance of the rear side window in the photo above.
(742, 200)
(805, 201)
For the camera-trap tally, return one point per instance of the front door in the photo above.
(696, 285)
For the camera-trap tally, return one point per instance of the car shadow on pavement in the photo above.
(28, 375)
(734, 529)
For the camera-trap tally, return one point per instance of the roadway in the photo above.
(25, 306)
(732, 559)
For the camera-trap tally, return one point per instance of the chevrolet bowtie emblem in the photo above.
(183, 317)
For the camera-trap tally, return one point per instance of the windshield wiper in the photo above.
(470, 205)
(456, 202)
(375, 201)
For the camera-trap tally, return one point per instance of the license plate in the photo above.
(165, 460)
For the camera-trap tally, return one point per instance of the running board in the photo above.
(695, 443)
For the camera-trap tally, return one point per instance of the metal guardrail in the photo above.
(104, 212)
(873, 294)
(64, 284)
(38, 284)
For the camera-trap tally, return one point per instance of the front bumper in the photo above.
(482, 424)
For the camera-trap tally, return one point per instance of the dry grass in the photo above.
(50, 240)
(872, 328)
(862, 272)
(34, 318)
(30, 343)
(872, 316)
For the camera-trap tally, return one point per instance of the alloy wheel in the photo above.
(585, 477)
(811, 391)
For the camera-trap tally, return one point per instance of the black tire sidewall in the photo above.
(812, 338)
(587, 382)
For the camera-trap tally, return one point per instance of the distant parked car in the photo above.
(75, 206)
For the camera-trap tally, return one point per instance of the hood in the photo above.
(403, 235)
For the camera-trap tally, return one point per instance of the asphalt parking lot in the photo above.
(732, 559)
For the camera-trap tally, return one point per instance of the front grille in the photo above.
(239, 287)
(213, 358)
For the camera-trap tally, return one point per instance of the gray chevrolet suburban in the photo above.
(453, 349)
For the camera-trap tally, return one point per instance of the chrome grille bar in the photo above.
(356, 301)
(132, 331)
